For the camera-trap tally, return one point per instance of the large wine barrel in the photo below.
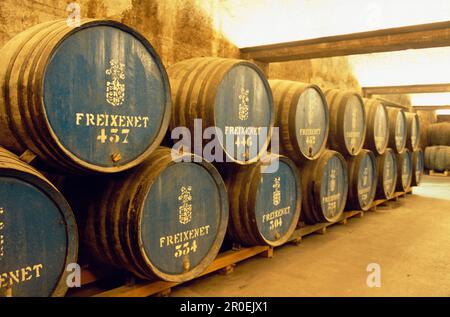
(265, 202)
(387, 174)
(231, 96)
(377, 136)
(324, 188)
(405, 170)
(362, 180)
(439, 133)
(301, 113)
(397, 129)
(89, 99)
(38, 233)
(437, 158)
(347, 121)
(164, 219)
(418, 165)
(412, 131)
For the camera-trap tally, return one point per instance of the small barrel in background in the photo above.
(90, 99)
(397, 129)
(439, 134)
(405, 170)
(324, 188)
(387, 174)
(437, 158)
(163, 219)
(229, 94)
(301, 113)
(265, 202)
(413, 131)
(39, 237)
(377, 131)
(362, 180)
(418, 166)
(347, 121)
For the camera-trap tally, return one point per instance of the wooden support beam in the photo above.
(432, 108)
(408, 89)
(390, 103)
(385, 40)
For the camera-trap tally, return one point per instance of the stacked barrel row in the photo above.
(91, 107)
(437, 153)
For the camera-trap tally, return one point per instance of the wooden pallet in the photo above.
(223, 264)
(444, 173)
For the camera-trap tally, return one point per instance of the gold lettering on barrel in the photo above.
(276, 196)
(331, 200)
(2, 237)
(185, 210)
(243, 105)
(274, 218)
(119, 125)
(21, 275)
(115, 89)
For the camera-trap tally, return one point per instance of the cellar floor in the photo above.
(409, 239)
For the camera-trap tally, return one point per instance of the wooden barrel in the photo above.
(387, 174)
(377, 136)
(405, 170)
(38, 232)
(324, 188)
(418, 166)
(439, 133)
(347, 121)
(89, 99)
(265, 202)
(164, 219)
(362, 180)
(397, 129)
(232, 97)
(301, 114)
(437, 158)
(412, 131)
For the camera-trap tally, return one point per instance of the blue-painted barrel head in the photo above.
(311, 122)
(381, 128)
(389, 173)
(354, 124)
(106, 97)
(334, 188)
(34, 240)
(367, 178)
(400, 131)
(183, 219)
(277, 198)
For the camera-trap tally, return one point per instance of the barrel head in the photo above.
(334, 188)
(354, 124)
(367, 180)
(400, 131)
(381, 129)
(405, 168)
(183, 221)
(418, 166)
(244, 112)
(311, 123)
(38, 237)
(389, 173)
(277, 204)
(106, 97)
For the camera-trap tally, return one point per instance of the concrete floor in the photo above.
(409, 239)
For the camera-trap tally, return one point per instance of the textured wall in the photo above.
(178, 29)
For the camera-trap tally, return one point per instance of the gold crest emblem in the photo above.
(276, 197)
(185, 209)
(243, 106)
(332, 183)
(115, 89)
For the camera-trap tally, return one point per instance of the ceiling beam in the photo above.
(384, 40)
(408, 89)
(444, 107)
(393, 104)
